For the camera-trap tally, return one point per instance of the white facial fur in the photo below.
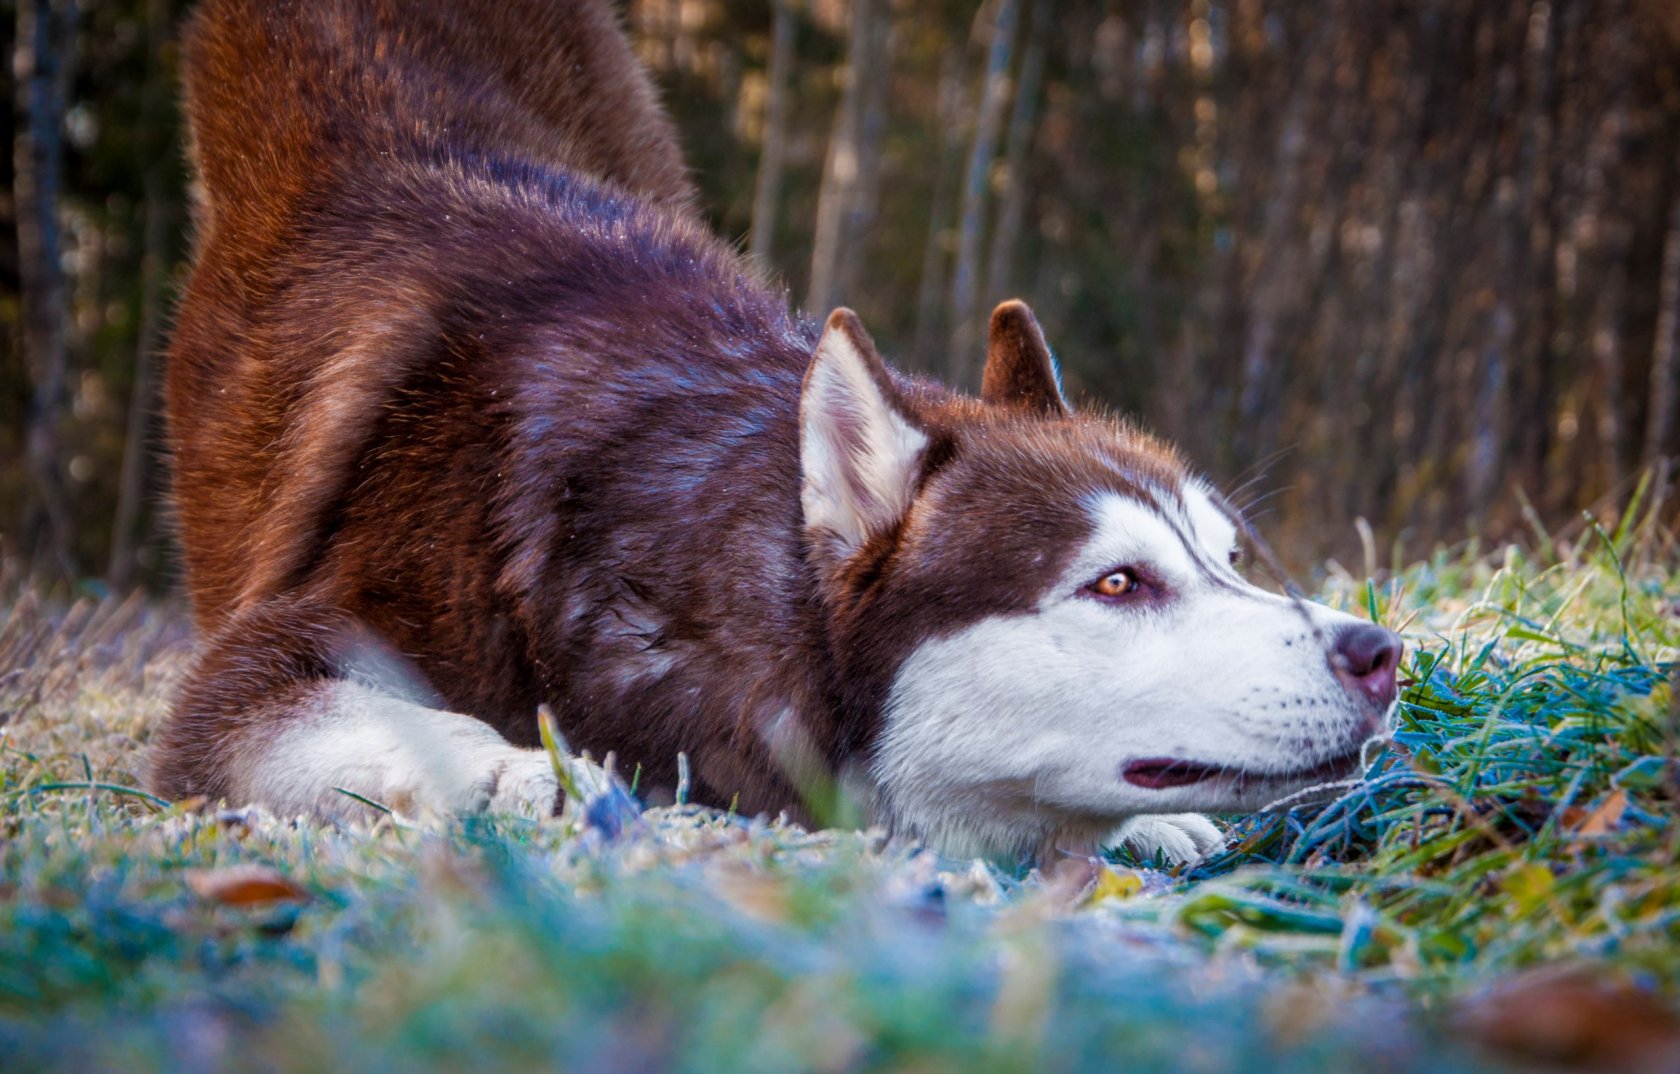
(1011, 735)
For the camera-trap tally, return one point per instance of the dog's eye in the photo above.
(1115, 584)
(1236, 557)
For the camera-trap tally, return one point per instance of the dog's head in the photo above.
(1045, 611)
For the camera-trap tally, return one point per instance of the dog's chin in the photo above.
(1045, 825)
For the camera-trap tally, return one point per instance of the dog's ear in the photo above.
(860, 450)
(1019, 370)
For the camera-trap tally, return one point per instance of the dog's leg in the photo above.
(414, 759)
(1180, 837)
(291, 703)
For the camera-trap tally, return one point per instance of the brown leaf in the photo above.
(752, 892)
(1581, 1015)
(1071, 878)
(245, 885)
(1600, 819)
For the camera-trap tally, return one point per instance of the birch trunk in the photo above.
(932, 280)
(840, 171)
(963, 363)
(875, 69)
(1023, 115)
(767, 191)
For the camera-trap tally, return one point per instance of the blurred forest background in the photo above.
(1416, 261)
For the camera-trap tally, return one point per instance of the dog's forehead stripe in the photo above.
(1214, 529)
(1183, 534)
(1127, 528)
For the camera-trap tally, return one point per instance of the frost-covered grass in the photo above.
(1523, 816)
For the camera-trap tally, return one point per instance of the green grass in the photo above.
(1523, 815)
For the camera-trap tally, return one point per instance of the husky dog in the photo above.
(470, 413)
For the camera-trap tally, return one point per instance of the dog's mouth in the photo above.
(1161, 773)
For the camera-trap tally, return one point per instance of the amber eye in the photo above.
(1115, 584)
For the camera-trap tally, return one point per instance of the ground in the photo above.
(1498, 891)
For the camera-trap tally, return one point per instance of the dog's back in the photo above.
(329, 139)
(282, 95)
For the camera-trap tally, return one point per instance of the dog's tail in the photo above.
(283, 94)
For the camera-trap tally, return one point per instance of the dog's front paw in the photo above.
(524, 784)
(1179, 837)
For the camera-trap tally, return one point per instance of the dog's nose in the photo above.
(1366, 656)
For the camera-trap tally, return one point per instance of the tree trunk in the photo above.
(1603, 154)
(963, 362)
(766, 193)
(875, 68)
(131, 487)
(137, 447)
(840, 171)
(932, 280)
(45, 33)
(1275, 279)
(1665, 351)
(1018, 143)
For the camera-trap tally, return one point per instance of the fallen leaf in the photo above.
(1528, 885)
(245, 885)
(1114, 884)
(1602, 818)
(1584, 1015)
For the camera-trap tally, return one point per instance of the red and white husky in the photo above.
(470, 412)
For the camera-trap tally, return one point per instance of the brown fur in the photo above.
(459, 378)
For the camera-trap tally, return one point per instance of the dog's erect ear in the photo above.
(859, 450)
(1019, 370)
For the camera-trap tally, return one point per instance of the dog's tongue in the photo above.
(1157, 773)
